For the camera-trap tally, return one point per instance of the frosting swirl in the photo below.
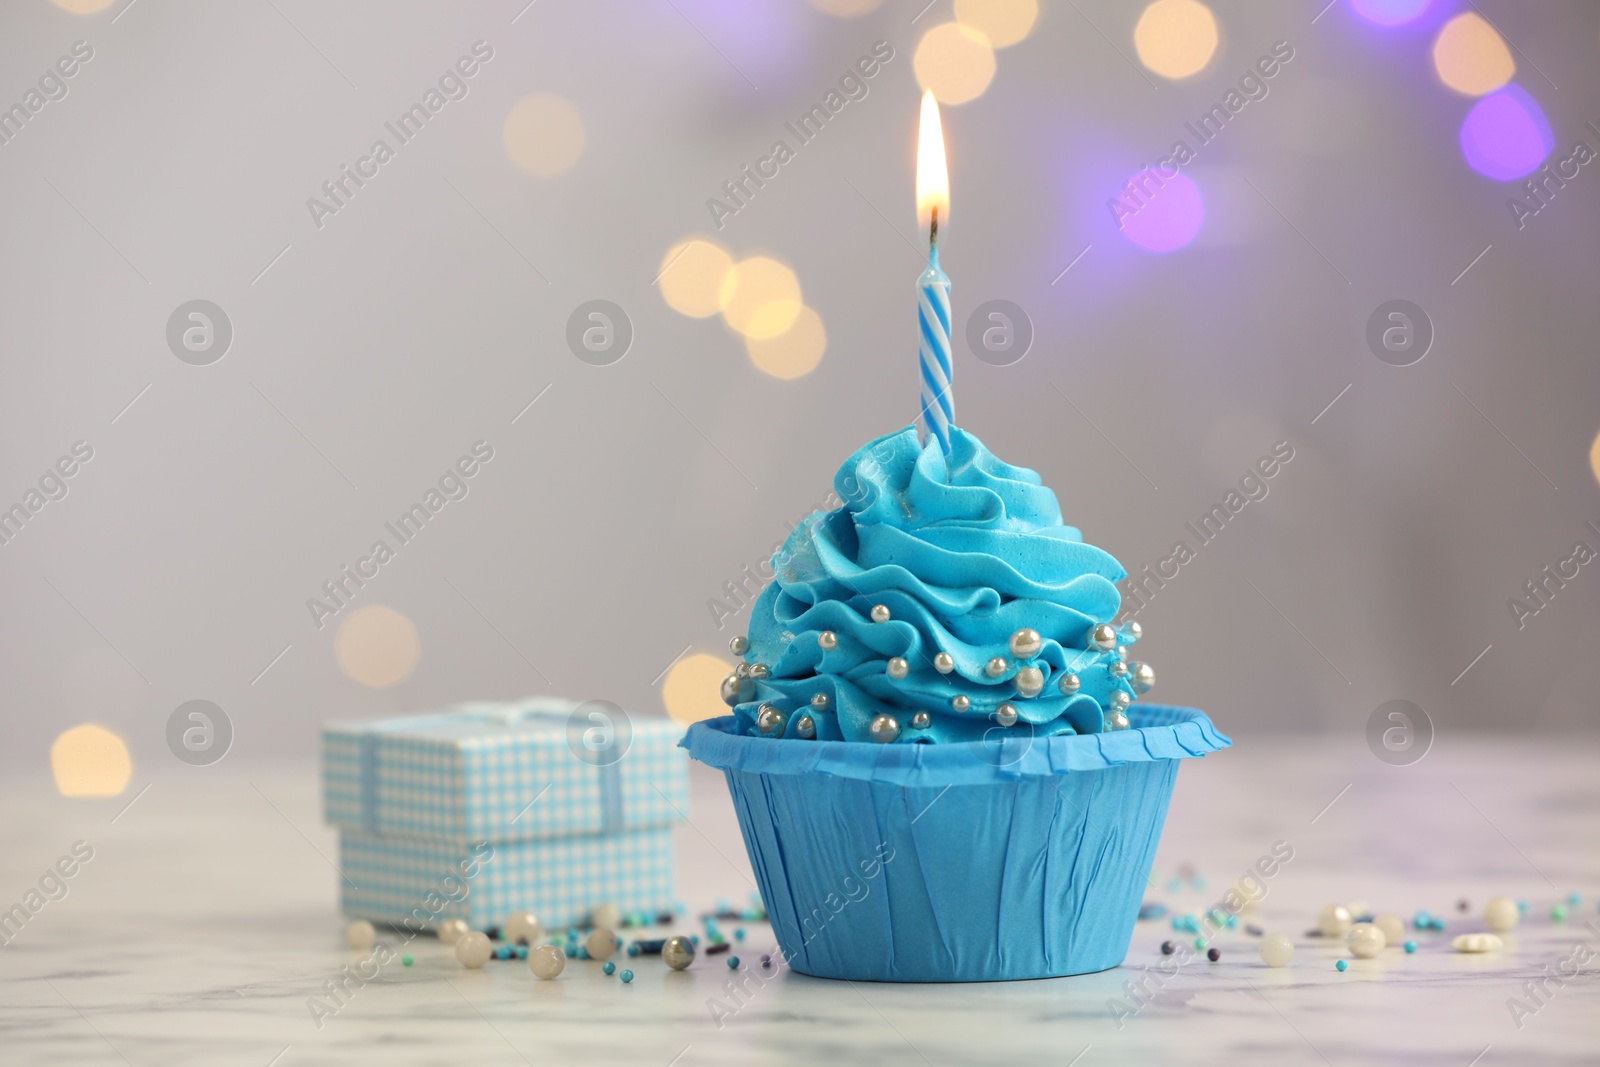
(987, 597)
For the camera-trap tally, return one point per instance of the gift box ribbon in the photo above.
(612, 813)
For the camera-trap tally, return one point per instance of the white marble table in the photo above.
(206, 919)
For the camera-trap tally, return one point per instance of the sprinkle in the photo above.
(1559, 913)
(1199, 942)
(1574, 899)
(1152, 911)
(627, 976)
(407, 960)
(608, 967)
(718, 946)
(1168, 948)
(733, 963)
(522, 950)
(1522, 905)
(1463, 905)
(633, 948)
(648, 948)
(738, 935)
(1213, 954)
(1254, 931)
(694, 938)
(1411, 946)
(1423, 920)
(492, 933)
(1340, 966)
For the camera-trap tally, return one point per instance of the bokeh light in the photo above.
(1176, 38)
(1594, 457)
(377, 646)
(954, 62)
(1389, 12)
(692, 273)
(82, 7)
(846, 9)
(760, 297)
(795, 352)
(543, 135)
(692, 689)
(1002, 22)
(90, 761)
(1506, 134)
(1164, 218)
(1471, 56)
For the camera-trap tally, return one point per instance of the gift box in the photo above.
(544, 805)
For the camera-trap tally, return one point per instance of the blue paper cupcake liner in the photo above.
(1023, 858)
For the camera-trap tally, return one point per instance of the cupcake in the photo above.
(936, 757)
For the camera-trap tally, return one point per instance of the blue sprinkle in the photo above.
(1574, 899)
(583, 953)
(633, 948)
(1341, 965)
(572, 933)
(694, 938)
(733, 963)
(1522, 905)
(608, 967)
(1411, 946)
(1438, 924)
(1152, 911)
(1198, 883)
(738, 935)
(1423, 920)
(522, 952)
(626, 976)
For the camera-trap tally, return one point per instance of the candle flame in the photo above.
(933, 178)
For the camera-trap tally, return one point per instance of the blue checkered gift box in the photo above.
(472, 813)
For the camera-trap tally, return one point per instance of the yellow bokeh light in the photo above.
(845, 9)
(692, 690)
(1176, 38)
(955, 62)
(1471, 57)
(90, 761)
(760, 297)
(692, 273)
(82, 7)
(795, 352)
(543, 134)
(377, 646)
(1002, 22)
(1594, 457)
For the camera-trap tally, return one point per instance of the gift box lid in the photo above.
(540, 767)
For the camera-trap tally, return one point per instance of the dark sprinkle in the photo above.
(1363, 918)
(1462, 905)
(666, 917)
(493, 933)
(1168, 948)
(651, 948)
(1254, 931)
(721, 946)
(1213, 954)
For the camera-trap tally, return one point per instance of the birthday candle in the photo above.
(933, 288)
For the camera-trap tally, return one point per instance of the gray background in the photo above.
(411, 325)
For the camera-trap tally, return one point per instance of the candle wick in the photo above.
(933, 229)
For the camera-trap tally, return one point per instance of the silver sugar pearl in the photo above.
(758, 670)
(769, 720)
(1117, 668)
(736, 689)
(920, 721)
(1133, 630)
(1116, 721)
(1102, 637)
(1005, 715)
(820, 701)
(805, 728)
(827, 640)
(960, 702)
(1069, 685)
(677, 952)
(1122, 653)
(1120, 699)
(1029, 681)
(1026, 642)
(1144, 677)
(883, 729)
(899, 668)
(880, 613)
(739, 645)
(995, 667)
(944, 663)
(742, 670)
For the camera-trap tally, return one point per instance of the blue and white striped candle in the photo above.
(933, 349)
(933, 288)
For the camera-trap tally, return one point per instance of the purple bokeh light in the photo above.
(1506, 134)
(1389, 12)
(1163, 217)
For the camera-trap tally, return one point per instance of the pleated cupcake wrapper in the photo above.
(943, 863)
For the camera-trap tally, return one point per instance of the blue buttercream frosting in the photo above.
(963, 551)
